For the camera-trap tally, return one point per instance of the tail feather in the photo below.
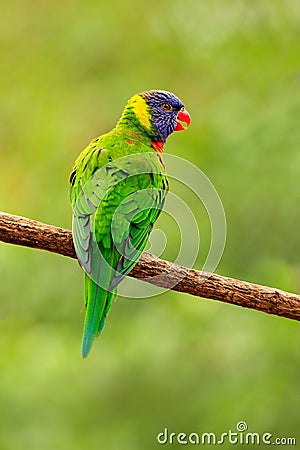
(109, 298)
(98, 302)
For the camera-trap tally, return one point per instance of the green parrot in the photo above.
(118, 189)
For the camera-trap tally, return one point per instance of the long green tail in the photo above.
(98, 302)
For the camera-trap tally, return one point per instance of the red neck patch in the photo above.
(158, 146)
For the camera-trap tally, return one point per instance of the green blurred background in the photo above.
(173, 361)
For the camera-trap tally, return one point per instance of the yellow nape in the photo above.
(140, 109)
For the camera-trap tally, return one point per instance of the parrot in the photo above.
(118, 187)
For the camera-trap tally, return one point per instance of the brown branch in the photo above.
(29, 233)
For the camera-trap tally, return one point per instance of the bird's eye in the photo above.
(167, 107)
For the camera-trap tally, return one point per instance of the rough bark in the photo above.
(30, 233)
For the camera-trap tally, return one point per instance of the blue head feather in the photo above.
(164, 122)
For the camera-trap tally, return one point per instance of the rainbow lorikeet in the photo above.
(118, 188)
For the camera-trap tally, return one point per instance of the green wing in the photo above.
(114, 210)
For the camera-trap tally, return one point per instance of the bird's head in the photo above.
(158, 113)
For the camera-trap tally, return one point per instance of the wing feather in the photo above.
(114, 209)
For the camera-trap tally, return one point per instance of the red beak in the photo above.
(183, 120)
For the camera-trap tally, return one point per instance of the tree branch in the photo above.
(30, 233)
